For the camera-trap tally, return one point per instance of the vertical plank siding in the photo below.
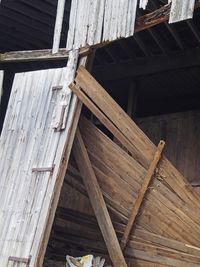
(96, 21)
(181, 10)
(1, 83)
(28, 141)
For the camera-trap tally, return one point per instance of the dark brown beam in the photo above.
(174, 60)
(144, 22)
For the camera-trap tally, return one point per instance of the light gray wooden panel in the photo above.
(181, 10)
(29, 141)
(58, 26)
(1, 83)
(94, 21)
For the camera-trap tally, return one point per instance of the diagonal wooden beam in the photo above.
(142, 192)
(144, 22)
(97, 201)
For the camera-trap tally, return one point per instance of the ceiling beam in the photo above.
(171, 61)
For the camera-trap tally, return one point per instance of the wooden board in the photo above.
(58, 26)
(181, 10)
(97, 201)
(29, 141)
(96, 21)
(181, 131)
(1, 83)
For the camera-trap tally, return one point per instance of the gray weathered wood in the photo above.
(58, 25)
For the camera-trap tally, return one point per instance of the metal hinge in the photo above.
(23, 260)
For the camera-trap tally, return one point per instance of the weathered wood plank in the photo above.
(111, 162)
(1, 83)
(118, 117)
(37, 55)
(142, 192)
(58, 25)
(97, 201)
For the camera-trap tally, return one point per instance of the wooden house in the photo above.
(89, 90)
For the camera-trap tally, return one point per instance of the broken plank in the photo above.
(142, 193)
(139, 146)
(97, 201)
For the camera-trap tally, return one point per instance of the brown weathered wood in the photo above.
(141, 195)
(144, 22)
(97, 201)
(138, 144)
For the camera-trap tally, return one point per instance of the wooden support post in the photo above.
(142, 192)
(97, 201)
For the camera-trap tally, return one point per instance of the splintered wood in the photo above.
(166, 231)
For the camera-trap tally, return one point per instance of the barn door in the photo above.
(31, 148)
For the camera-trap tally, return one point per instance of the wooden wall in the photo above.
(181, 131)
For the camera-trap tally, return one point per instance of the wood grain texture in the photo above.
(97, 201)
(58, 26)
(28, 141)
(181, 10)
